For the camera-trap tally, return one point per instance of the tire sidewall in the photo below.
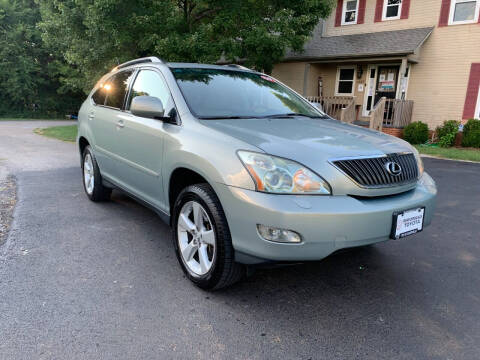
(96, 194)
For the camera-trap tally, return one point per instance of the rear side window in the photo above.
(99, 96)
(116, 88)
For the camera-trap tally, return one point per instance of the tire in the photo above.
(221, 269)
(94, 189)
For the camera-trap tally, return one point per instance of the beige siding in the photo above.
(423, 13)
(438, 84)
(291, 74)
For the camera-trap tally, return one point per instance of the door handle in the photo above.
(91, 116)
(120, 123)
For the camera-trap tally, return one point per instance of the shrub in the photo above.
(471, 134)
(416, 133)
(447, 133)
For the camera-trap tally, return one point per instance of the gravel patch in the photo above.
(8, 198)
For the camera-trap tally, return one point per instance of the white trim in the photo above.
(452, 12)
(477, 109)
(337, 82)
(384, 13)
(344, 11)
(407, 81)
(371, 83)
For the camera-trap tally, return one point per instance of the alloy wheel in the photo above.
(196, 238)
(88, 174)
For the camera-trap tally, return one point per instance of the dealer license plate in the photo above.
(407, 222)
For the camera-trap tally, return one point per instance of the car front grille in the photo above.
(372, 172)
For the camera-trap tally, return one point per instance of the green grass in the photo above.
(450, 153)
(65, 133)
(28, 119)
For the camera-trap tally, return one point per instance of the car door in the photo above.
(103, 118)
(141, 140)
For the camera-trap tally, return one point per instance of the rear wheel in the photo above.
(202, 239)
(92, 179)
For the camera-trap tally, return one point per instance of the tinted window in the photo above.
(216, 93)
(99, 96)
(150, 83)
(116, 88)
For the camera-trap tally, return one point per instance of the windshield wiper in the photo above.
(290, 115)
(225, 117)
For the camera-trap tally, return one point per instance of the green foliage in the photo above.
(95, 35)
(471, 134)
(28, 83)
(53, 51)
(416, 133)
(447, 133)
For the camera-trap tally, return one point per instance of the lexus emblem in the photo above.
(393, 168)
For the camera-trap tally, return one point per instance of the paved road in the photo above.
(80, 280)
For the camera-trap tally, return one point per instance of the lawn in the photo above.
(65, 133)
(450, 153)
(28, 119)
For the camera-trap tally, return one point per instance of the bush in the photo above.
(447, 133)
(471, 134)
(416, 133)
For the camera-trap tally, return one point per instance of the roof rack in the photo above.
(138, 61)
(237, 66)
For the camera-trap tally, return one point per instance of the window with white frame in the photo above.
(345, 80)
(464, 12)
(350, 12)
(392, 9)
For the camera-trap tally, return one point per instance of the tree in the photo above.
(27, 79)
(95, 35)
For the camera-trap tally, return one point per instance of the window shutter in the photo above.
(361, 11)
(472, 92)
(338, 15)
(444, 13)
(379, 11)
(405, 9)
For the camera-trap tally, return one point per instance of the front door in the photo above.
(141, 141)
(387, 80)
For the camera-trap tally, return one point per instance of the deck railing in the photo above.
(339, 107)
(398, 113)
(377, 115)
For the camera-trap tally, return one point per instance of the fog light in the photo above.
(278, 235)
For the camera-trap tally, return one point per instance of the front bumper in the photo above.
(326, 223)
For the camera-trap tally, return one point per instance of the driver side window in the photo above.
(150, 83)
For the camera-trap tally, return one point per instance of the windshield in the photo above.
(217, 94)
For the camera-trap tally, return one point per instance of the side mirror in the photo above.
(148, 107)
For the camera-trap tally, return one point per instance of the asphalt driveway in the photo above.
(80, 280)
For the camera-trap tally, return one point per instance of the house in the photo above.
(422, 56)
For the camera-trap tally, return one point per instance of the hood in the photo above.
(309, 141)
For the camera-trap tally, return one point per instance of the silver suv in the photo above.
(244, 169)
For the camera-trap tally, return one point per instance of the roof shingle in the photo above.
(400, 42)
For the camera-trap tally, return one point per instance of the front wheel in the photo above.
(202, 239)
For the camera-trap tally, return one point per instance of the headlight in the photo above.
(272, 174)
(419, 162)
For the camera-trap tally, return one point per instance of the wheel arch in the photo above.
(179, 179)
(82, 144)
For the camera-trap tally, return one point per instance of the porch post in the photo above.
(402, 79)
(306, 75)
